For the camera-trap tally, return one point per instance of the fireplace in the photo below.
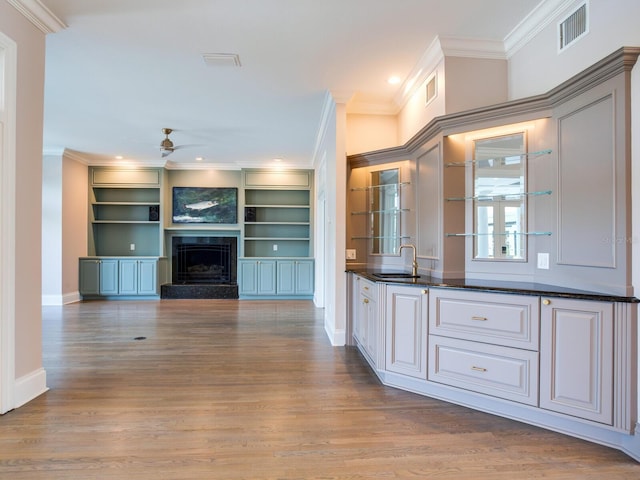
(203, 267)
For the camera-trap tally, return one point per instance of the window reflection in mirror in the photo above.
(499, 197)
(385, 211)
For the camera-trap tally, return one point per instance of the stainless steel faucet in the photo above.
(414, 264)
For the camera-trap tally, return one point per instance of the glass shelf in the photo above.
(404, 237)
(393, 210)
(500, 160)
(505, 234)
(375, 187)
(505, 196)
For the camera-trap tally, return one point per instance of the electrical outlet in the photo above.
(275, 247)
(132, 247)
(350, 254)
(543, 261)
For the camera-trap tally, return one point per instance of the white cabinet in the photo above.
(485, 342)
(406, 330)
(577, 359)
(365, 328)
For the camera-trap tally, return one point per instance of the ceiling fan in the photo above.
(166, 146)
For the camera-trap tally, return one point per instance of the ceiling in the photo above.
(123, 70)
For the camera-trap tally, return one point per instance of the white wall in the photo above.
(52, 230)
(371, 132)
(538, 67)
(330, 157)
(30, 377)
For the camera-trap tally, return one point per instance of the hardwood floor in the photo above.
(226, 389)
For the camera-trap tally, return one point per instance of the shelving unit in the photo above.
(382, 220)
(277, 223)
(277, 240)
(499, 194)
(125, 210)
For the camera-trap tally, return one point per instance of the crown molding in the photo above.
(472, 48)
(39, 15)
(538, 19)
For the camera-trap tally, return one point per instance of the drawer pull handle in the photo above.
(366, 300)
(481, 319)
(365, 288)
(479, 369)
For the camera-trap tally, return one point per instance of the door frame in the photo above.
(8, 89)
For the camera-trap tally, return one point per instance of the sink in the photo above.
(395, 275)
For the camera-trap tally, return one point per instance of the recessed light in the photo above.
(277, 160)
(199, 159)
(119, 157)
(394, 80)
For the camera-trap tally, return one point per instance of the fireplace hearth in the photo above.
(203, 267)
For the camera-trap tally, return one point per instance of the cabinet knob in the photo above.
(425, 291)
(366, 300)
(546, 301)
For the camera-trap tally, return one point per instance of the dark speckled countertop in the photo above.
(520, 288)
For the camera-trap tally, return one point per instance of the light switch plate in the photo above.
(543, 261)
(350, 254)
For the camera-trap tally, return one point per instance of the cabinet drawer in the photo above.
(366, 287)
(503, 372)
(509, 320)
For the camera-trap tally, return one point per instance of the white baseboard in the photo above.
(336, 337)
(53, 300)
(29, 387)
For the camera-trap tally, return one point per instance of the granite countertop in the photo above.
(519, 288)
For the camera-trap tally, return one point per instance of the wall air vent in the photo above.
(221, 59)
(573, 27)
(431, 89)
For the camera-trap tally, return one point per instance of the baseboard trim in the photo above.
(29, 387)
(56, 300)
(336, 337)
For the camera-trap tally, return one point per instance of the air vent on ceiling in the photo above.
(221, 59)
(573, 27)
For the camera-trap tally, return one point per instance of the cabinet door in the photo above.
(304, 277)
(147, 277)
(248, 277)
(128, 277)
(286, 277)
(576, 358)
(364, 328)
(266, 277)
(257, 277)
(406, 336)
(108, 277)
(89, 277)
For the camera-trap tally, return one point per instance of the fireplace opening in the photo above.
(204, 260)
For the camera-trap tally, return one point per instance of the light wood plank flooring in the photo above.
(225, 389)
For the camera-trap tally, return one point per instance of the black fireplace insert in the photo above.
(204, 260)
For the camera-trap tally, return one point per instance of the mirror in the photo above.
(385, 211)
(499, 197)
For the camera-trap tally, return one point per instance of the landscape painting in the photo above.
(205, 205)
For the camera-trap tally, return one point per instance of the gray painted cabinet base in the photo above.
(563, 364)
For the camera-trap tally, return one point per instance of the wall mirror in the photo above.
(384, 206)
(499, 198)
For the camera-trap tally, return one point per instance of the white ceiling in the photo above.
(124, 69)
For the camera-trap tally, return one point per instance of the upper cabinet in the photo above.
(383, 196)
(535, 189)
